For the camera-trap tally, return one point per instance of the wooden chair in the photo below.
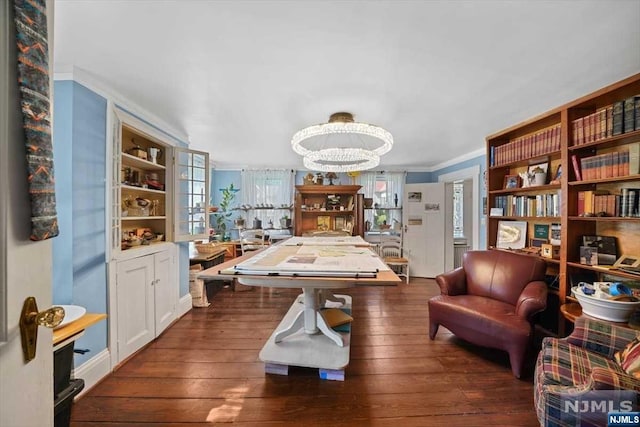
(390, 250)
(251, 240)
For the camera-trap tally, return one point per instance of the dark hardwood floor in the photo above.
(205, 370)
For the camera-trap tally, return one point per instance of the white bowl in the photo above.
(614, 311)
(71, 314)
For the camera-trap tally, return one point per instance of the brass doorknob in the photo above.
(49, 318)
(30, 319)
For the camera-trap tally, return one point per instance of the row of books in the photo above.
(615, 119)
(526, 147)
(608, 165)
(600, 202)
(540, 205)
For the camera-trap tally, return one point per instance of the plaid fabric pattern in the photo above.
(578, 364)
(629, 358)
(600, 337)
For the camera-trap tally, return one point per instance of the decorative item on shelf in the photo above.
(153, 182)
(154, 154)
(319, 179)
(512, 234)
(550, 251)
(511, 181)
(588, 255)
(138, 152)
(257, 224)
(558, 176)
(285, 222)
(341, 145)
(331, 176)
(308, 179)
(238, 222)
(536, 175)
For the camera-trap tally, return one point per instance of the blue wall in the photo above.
(79, 252)
(79, 272)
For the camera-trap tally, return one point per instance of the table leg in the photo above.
(297, 323)
(307, 317)
(326, 329)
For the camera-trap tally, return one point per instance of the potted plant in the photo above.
(285, 222)
(224, 214)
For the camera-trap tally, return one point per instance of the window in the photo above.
(386, 190)
(270, 193)
(458, 209)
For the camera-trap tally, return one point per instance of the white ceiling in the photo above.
(241, 77)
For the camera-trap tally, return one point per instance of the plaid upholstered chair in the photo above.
(591, 358)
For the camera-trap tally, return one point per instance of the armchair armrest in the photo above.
(607, 379)
(452, 282)
(532, 299)
(601, 337)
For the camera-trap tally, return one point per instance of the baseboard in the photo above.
(184, 305)
(93, 370)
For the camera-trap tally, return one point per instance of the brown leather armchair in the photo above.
(491, 300)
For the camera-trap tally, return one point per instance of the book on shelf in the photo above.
(618, 118)
(629, 114)
(576, 167)
(634, 158)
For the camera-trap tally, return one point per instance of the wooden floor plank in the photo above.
(205, 369)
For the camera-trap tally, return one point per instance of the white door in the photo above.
(136, 318)
(26, 389)
(164, 291)
(426, 229)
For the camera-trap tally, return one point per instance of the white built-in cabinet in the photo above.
(143, 279)
(145, 298)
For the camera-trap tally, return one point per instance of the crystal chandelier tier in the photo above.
(341, 145)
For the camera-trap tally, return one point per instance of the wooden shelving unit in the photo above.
(312, 203)
(573, 226)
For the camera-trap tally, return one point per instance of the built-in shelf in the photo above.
(145, 190)
(138, 218)
(129, 160)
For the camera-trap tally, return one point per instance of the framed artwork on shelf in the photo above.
(324, 223)
(627, 261)
(511, 181)
(340, 223)
(536, 174)
(511, 234)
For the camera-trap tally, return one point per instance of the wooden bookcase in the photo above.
(328, 208)
(577, 130)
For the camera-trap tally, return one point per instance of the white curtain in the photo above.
(269, 193)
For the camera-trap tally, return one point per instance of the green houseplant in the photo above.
(224, 214)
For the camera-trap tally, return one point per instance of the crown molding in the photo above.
(95, 84)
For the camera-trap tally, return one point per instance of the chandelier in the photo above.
(341, 145)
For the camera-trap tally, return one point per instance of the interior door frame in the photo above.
(472, 172)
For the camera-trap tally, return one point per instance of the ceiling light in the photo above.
(341, 145)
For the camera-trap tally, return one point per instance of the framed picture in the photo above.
(511, 234)
(511, 181)
(324, 223)
(415, 196)
(340, 223)
(537, 174)
(541, 231)
(627, 261)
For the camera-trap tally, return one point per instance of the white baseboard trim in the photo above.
(93, 370)
(184, 306)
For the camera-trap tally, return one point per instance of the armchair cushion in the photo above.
(491, 300)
